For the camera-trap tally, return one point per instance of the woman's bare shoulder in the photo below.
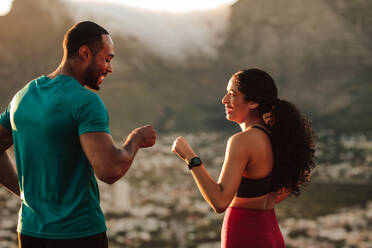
(245, 138)
(248, 135)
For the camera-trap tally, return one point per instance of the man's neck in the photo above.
(68, 67)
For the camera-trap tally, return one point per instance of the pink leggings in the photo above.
(243, 228)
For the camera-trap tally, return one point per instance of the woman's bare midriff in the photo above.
(264, 202)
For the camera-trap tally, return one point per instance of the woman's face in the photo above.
(236, 107)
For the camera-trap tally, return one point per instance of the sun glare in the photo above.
(169, 5)
(5, 6)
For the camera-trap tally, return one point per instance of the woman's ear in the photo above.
(253, 105)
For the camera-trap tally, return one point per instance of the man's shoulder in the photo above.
(83, 100)
(20, 93)
(84, 95)
(75, 93)
(28, 84)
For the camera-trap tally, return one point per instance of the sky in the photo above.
(5, 6)
(159, 5)
(175, 6)
(172, 29)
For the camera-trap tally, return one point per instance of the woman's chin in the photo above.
(229, 117)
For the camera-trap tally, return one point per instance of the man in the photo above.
(61, 141)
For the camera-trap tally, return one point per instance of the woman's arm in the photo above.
(218, 194)
(281, 195)
(284, 194)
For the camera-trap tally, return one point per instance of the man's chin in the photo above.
(93, 86)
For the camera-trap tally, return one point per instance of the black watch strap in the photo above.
(194, 162)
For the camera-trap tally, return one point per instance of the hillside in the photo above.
(319, 52)
(316, 50)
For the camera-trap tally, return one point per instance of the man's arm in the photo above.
(110, 162)
(8, 175)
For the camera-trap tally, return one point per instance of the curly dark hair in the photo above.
(292, 137)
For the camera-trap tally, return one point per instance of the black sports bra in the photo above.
(249, 187)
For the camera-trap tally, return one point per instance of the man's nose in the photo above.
(109, 68)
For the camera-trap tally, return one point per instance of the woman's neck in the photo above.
(248, 123)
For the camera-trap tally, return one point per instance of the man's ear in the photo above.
(85, 53)
(253, 105)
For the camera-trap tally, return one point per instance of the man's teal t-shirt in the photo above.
(59, 192)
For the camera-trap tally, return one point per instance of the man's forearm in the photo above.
(8, 175)
(131, 147)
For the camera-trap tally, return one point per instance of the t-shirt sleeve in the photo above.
(91, 115)
(5, 119)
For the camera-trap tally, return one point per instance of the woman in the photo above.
(269, 159)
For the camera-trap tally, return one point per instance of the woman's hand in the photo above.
(183, 149)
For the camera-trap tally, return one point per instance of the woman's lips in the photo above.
(228, 110)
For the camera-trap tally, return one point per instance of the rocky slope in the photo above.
(319, 52)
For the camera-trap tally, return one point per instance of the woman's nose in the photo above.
(225, 99)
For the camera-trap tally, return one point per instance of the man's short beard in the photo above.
(91, 79)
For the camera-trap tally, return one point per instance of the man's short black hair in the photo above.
(83, 33)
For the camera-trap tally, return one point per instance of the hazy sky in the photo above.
(168, 5)
(171, 29)
(5, 6)
(162, 5)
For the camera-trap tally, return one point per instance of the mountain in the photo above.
(319, 52)
(316, 50)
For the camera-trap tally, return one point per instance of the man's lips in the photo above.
(101, 78)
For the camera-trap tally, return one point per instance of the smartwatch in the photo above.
(194, 162)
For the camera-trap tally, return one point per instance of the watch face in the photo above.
(195, 162)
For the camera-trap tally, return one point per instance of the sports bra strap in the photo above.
(256, 187)
(267, 131)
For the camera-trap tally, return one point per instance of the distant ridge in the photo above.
(319, 52)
